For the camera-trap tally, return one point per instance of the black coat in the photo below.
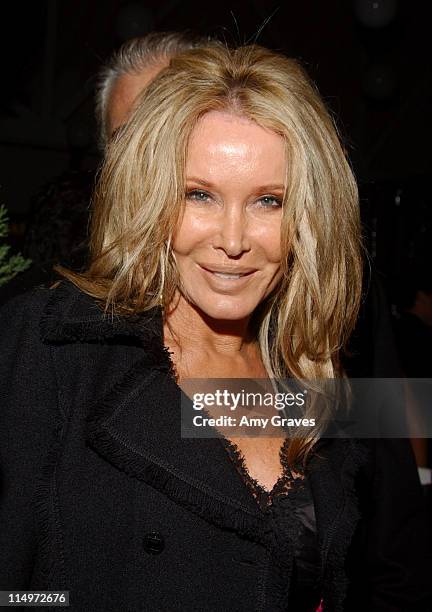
(101, 496)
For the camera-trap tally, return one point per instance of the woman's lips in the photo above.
(225, 276)
(232, 271)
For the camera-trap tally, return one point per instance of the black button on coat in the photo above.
(153, 543)
(95, 479)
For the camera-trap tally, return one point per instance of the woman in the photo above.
(225, 244)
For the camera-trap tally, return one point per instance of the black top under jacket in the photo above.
(101, 496)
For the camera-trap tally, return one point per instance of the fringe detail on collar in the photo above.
(194, 496)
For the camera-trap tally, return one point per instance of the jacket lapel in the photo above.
(136, 426)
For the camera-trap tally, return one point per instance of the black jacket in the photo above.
(100, 495)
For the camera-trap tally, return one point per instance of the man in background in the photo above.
(130, 70)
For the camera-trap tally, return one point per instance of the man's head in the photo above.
(130, 70)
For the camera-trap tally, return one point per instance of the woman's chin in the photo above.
(225, 310)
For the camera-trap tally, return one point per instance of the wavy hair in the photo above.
(138, 203)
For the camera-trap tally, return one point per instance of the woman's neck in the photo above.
(202, 347)
(191, 328)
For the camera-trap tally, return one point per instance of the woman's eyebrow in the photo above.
(271, 187)
(266, 187)
(194, 179)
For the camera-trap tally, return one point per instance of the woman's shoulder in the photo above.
(63, 314)
(26, 318)
(30, 303)
(42, 302)
(52, 337)
(29, 325)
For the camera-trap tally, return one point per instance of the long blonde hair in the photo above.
(140, 194)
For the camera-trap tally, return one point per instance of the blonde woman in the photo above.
(225, 244)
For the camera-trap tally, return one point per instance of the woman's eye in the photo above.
(197, 195)
(270, 202)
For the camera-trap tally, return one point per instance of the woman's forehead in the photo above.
(227, 147)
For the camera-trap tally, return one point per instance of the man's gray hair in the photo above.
(134, 56)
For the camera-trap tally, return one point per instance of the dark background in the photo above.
(370, 59)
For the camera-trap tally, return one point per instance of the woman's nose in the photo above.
(232, 235)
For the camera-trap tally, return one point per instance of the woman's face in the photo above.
(227, 246)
